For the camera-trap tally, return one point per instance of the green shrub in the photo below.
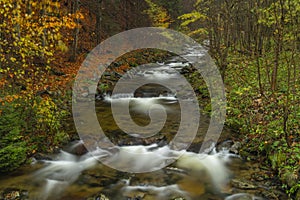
(12, 156)
(13, 149)
(28, 125)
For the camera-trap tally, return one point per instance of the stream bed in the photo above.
(76, 174)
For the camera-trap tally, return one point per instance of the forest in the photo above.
(255, 45)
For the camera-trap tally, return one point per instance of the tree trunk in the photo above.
(98, 22)
(73, 56)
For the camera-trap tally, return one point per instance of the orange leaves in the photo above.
(122, 69)
(11, 75)
(3, 82)
(79, 15)
(9, 98)
(71, 20)
(131, 60)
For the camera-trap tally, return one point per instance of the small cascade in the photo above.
(110, 98)
(66, 169)
(53, 186)
(62, 172)
(142, 105)
(146, 100)
(214, 164)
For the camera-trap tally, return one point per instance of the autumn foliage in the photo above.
(31, 35)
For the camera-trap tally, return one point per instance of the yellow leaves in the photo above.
(70, 20)
(242, 91)
(33, 4)
(79, 15)
(31, 38)
(62, 46)
(13, 59)
(199, 31)
(45, 110)
(191, 18)
(158, 15)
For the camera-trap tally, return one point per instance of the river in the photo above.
(75, 174)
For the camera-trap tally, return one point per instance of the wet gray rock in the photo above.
(139, 195)
(227, 144)
(187, 69)
(232, 146)
(235, 148)
(242, 184)
(41, 156)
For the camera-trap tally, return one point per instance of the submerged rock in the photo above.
(14, 194)
(241, 184)
(232, 146)
(98, 197)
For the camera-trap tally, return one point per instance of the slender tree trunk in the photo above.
(75, 9)
(261, 90)
(258, 49)
(278, 45)
(98, 22)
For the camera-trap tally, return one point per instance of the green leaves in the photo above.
(28, 124)
(12, 156)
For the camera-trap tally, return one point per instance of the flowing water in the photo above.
(77, 176)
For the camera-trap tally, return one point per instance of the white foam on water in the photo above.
(76, 144)
(62, 172)
(213, 164)
(159, 75)
(67, 168)
(51, 186)
(142, 158)
(129, 96)
(109, 98)
(161, 193)
(142, 105)
(160, 63)
(178, 64)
